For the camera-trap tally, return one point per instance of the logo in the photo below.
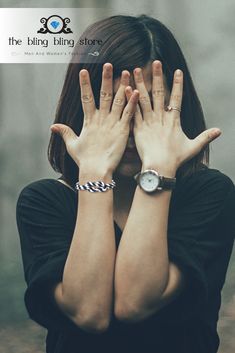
(55, 24)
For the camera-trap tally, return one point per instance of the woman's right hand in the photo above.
(105, 132)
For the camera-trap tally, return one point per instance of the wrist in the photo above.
(92, 173)
(164, 170)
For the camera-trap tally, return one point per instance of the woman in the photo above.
(130, 262)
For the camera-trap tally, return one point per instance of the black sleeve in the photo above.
(201, 230)
(45, 240)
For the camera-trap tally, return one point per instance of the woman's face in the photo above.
(130, 163)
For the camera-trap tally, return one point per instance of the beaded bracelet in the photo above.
(95, 186)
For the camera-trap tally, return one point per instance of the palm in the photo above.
(158, 133)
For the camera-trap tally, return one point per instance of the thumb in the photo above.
(65, 132)
(206, 137)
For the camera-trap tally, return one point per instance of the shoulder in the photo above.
(208, 194)
(45, 194)
(43, 188)
(207, 182)
(203, 201)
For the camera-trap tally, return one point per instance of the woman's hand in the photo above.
(160, 140)
(104, 134)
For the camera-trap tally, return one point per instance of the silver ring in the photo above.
(169, 108)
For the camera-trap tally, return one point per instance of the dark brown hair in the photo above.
(127, 42)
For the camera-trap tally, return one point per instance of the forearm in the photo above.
(88, 273)
(142, 265)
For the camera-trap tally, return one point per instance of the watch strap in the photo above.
(167, 183)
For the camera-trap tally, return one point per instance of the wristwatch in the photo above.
(150, 181)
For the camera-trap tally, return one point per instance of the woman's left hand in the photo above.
(160, 140)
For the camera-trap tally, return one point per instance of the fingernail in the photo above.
(216, 131)
(178, 73)
(83, 73)
(107, 67)
(125, 73)
(137, 71)
(157, 64)
(54, 128)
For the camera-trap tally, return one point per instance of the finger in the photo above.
(177, 92)
(204, 138)
(158, 91)
(137, 113)
(120, 98)
(87, 97)
(106, 92)
(128, 92)
(65, 132)
(130, 107)
(138, 118)
(144, 98)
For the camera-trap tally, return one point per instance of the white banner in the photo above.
(47, 35)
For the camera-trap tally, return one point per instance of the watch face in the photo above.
(149, 181)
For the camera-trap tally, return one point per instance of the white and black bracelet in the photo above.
(95, 186)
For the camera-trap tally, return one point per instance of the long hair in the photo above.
(127, 42)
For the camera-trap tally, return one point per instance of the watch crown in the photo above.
(136, 176)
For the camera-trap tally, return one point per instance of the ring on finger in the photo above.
(118, 101)
(105, 95)
(86, 98)
(169, 108)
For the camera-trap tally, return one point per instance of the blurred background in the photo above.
(28, 97)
